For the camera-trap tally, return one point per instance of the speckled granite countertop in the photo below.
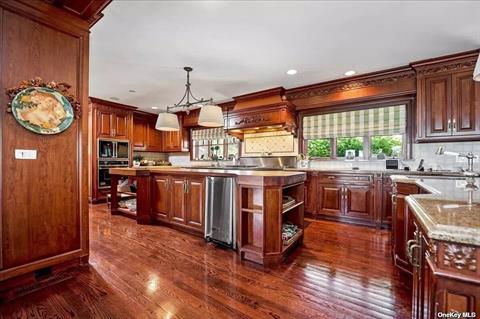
(444, 213)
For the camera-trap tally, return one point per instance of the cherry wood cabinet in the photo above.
(358, 201)
(330, 199)
(154, 137)
(387, 207)
(402, 228)
(139, 136)
(113, 122)
(161, 196)
(448, 100)
(346, 197)
(445, 276)
(178, 200)
(311, 193)
(194, 202)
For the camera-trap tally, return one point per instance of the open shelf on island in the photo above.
(293, 240)
(256, 209)
(289, 208)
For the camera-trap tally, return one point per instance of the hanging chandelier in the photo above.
(211, 115)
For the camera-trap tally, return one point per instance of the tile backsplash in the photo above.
(276, 143)
(424, 151)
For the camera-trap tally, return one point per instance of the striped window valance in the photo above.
(389, 120)
(209, 134)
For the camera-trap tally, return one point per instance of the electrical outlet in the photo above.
(26, 154)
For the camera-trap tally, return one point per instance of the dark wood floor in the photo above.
(342, 271)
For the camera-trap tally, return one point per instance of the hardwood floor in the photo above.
(342, 271)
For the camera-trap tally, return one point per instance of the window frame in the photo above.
(407, 146)
(225, 145)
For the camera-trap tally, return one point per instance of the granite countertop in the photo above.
(444, 212)
(378, 171)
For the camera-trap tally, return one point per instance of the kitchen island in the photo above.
(175, 197)
(443, 245)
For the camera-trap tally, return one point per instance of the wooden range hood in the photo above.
(258, 112)
(263, 111)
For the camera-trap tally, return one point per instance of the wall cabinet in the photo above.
(448, 100)
(147, 138)
(112, 122)
(179, 200)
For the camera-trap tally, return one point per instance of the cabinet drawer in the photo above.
(336, 178)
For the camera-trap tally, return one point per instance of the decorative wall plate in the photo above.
(42, 110)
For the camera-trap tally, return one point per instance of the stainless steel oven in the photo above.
(103, 174)
(113, 149)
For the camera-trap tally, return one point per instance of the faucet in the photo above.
(469, 173)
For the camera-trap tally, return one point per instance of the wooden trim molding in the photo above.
(362, 81)
(386, 84)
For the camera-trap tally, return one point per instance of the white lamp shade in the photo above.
(476, 72)
(211, 116)
(167, 122)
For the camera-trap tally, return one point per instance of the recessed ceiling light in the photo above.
(154, 107)
(114, 98)
(292, 72)
(132, 91)
(350, 73)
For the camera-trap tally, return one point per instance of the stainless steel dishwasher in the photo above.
(220, 211)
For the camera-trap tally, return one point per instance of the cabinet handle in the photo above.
(449, 124)
(184, 187)
(408, 247)
(454, 125)
(331, 177)
(394, 199)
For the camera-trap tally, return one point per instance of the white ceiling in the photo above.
(239, 47)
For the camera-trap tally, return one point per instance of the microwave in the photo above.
(113, 149)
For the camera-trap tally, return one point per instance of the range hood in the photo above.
(264, 111)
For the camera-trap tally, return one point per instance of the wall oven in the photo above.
(113, 149)
(103, 174)
(111, 153)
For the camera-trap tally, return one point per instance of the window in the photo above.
(210, 143)
(362, 133)
(389, 145)
(319, 148)
(345, 144)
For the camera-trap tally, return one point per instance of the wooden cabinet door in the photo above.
(105, 123)
(387, 206)
(177, 208)
(161, 197)
(139, 134)
(172, 141)
(154, 138)
(310, 194)
(195, 202)
(465, 105)
(121, 125)
(330, 199)
(438, 106)
(359, 202)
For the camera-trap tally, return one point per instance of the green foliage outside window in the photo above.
(319, 148)
(349, 143)
(387, 144)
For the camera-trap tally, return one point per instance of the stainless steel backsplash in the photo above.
(270, 161)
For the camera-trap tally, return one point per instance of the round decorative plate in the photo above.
(42, 110)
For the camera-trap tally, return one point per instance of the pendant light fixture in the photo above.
(476, 72)
(210, 114)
